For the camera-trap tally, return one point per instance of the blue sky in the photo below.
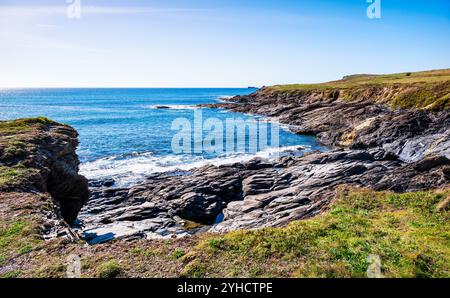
(216, 43)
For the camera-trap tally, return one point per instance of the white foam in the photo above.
(272, 120)
(134, 168)
(223, 98)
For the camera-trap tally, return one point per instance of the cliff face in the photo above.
(377, 145)
(408, 119)
(389, 150)
(387, 133)
(37, 156)
(251, 195)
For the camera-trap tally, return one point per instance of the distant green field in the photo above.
(432, 76)
(413, 90)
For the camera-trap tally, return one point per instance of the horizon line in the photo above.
(125, 87)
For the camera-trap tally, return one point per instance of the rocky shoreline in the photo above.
(382, 188)
(373, 146)
(251, 195)
(364, 122)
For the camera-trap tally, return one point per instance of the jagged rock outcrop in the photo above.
(358, 123)
(39, 156)
(381, 146)
(250, 195)
(372, 145)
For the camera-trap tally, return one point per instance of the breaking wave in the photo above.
(133, 168)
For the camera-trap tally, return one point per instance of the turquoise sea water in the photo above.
(122, 133)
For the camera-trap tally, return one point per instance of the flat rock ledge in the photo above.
(251, 195)
(372, 145)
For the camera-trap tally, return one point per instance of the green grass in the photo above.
(178, 253)
(361, 80)
(51, 269)
(11, 274)
(430, 96)
(14, 149)
(2, 260)
(109, 269)
(12, 175)
(25, 249)
(24, 124)
(13, 233)
(18, 238)
(426, 89)
(405, 230)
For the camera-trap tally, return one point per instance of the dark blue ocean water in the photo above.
(122, 133)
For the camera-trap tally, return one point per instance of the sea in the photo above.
(127, 134)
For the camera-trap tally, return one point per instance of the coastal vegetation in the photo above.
(409, 232)
(431, 76)
(16, 148)
(21, 125)
(419, 90)
(12, 175)
(17, 239)
(109, 269)
(366, 199)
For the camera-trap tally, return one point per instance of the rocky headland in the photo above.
(378, 139)
(38, 157)
(386, 134)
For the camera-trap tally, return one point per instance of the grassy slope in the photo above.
(23, 125)
(21, 212)
(408, 231)
(355, 80)
(15, 145)
(426, 89)
(21, 224)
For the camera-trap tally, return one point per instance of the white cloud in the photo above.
(61, 10)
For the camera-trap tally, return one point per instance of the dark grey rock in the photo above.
(250, 196)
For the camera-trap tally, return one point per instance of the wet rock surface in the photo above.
(250, 195)
(374, 145)
(357, 124)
